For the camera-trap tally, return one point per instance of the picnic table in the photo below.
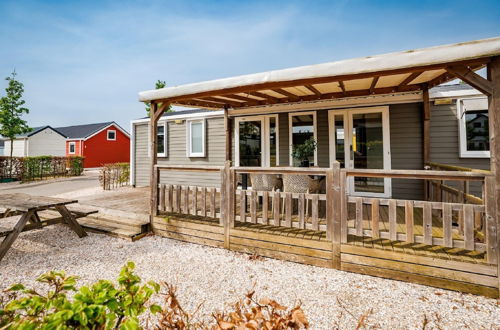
(27, 207)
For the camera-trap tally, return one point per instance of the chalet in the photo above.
(99, 143)
(401, 180)
(41, 141)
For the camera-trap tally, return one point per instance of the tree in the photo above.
(11, 111)
(159, 84)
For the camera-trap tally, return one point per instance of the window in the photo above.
(474, 127)
(161, 147)
(257, 141)
(72, 147)
(196, 138)
(302, 127)
(111, 135)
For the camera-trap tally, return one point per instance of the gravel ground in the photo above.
(330, 298)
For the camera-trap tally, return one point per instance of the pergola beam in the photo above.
(283, 92)
(342, 87)
(472, 78)
(269, 98)
(313, 89)
(410, 78)
(224, 102)
(373, 84)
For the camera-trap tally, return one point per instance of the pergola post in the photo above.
(494, 132)
(228, 128)
(154, 114)
(426, 133)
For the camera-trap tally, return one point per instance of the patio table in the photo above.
(28, 207)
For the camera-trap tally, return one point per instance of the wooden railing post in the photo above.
(227, 200)
(492, 248)
(333, 211)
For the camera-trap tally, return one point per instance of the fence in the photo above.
(115, 175)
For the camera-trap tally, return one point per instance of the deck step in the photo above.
(108, 229)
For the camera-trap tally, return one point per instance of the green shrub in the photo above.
(75, 164)
(102, 305)
(114, 175)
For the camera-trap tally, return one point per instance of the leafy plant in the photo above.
(302, 152)
(158, 85)
(100, 306)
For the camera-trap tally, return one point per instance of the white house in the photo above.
(41, 141)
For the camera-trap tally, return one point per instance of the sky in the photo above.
(85, 61)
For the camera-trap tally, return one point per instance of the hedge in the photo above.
(39, 167)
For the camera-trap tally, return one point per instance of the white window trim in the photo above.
(165, 147)
(188, 138)
(107, 134)
(69, 148)
(464, 153)
(265, 138)
(290, 134)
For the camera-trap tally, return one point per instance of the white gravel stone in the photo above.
(218, 277)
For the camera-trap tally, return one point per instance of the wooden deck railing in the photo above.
(460, 192)
(451, 225)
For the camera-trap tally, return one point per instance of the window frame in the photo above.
(189, 152)
(73, 143)
(107, 134)
(165, 140)
(464, 153)
(290, 134)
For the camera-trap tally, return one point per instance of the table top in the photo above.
(24, 202)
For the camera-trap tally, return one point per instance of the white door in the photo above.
(359, 138)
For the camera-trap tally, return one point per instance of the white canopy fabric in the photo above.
(425, 57)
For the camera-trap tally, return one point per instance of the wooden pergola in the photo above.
(414, 71)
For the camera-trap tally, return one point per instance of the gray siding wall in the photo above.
(445, 147)
(405, 134)
(405, 122)
(445, 142)
(176, 154)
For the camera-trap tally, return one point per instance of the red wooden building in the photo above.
(100, 143)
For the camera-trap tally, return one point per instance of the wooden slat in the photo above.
(427, 223)
(185, 193)
(253, 206)
(265, 207)
(375, 218)
(177, 197)
(276, 206)
(392, 220)
(447, 225)
(469, 226)
(203, 201)
(169, 202)
(314, 212)
(213, 206)
(490, 221)
(359, 216)
(343, 207)
(194, 201)
(409, 220)
(288, 209)
(243, 205)
(162, 197)
(302, 208)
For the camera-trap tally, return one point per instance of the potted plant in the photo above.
(302, 152)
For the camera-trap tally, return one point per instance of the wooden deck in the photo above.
(453, 269)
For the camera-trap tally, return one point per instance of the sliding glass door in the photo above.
(359, 139)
